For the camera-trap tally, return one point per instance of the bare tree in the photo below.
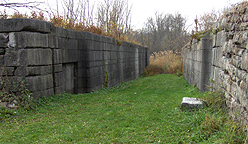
(164, 32)
(114, 16)
(32, 5)
(78, 11)
(207, 20)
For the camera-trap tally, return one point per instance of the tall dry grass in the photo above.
(165, 62)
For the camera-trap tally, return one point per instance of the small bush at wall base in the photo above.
(13, 95)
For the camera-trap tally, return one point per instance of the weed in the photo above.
(119, 42)
(106, 80)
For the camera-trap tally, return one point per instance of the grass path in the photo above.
(142, 111)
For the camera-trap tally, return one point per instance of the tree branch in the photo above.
(29, 5)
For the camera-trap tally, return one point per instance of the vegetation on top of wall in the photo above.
(113, 18)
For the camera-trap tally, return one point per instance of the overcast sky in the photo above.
(142, 9)
(188, 8)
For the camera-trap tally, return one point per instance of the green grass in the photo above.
(146, 110)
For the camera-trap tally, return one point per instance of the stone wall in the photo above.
(53, 60)
(222, 56)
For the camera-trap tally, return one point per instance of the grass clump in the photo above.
(164, 62)
(218, 123)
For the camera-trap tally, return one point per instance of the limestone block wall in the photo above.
(53, 60)
(223, 57)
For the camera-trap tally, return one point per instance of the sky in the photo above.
(142, 9)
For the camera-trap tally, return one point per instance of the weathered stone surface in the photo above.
(59, 90)
(3, 40)
(244, 61)
(28, 40)
(1, 60)
(2, 51)
(67, 43)
(38, 83)
(58, 68)
(37, 57)
(11, 58)
(57, 56)
(21, 71)
(39, 70)
(38, 52)
(58, 77)
(221, 38)
(191, 103)
(70, 56)
(21, 24)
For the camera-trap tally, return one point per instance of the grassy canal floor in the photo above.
(146, 110)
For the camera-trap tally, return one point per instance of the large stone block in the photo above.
(38, 83)
(244, 61)
(28, 40)
(22, 57)
(2, 51)
(58, 79)
(3, 40)
(21, 71)
(82, 45)
(94, 64)
(11, 58)
(214, 40)
(221, 38)
(191, 103)
(57, 56)
(113, 55)
(94, 81)
(61, 32)
(106, 55)
(95, 71)
(70, 55)
(39, 57)
(21, 24)
(99, 55)
(82, 82)
(40, 70)
(9, 71)
(67, 43)
(1, 60)
(58, 68)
